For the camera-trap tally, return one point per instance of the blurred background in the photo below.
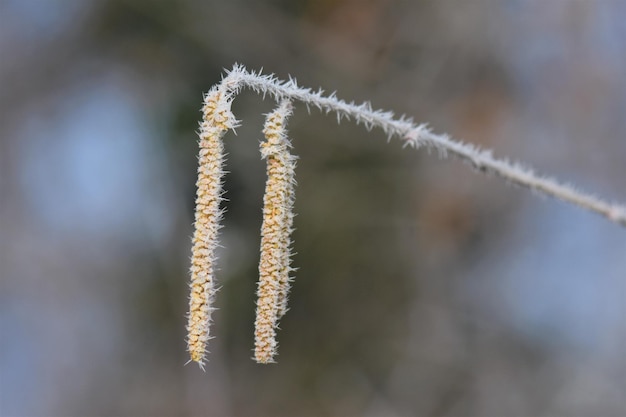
(422, 289)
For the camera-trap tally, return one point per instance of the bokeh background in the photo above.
(423, 289)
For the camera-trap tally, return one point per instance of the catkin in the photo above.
(217, 119)
(274, 265)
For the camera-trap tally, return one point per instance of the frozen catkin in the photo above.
(274, 265)
(217, 119)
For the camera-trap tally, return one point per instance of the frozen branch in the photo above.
(417, 135)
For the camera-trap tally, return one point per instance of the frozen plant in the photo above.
(277, 226)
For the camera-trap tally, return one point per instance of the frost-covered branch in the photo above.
(417, 135)
(274, 266)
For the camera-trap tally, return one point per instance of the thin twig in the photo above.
(417, 135)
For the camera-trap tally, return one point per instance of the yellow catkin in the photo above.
(274, 268)
(217, 119)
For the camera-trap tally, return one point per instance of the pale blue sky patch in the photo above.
(89, 164)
